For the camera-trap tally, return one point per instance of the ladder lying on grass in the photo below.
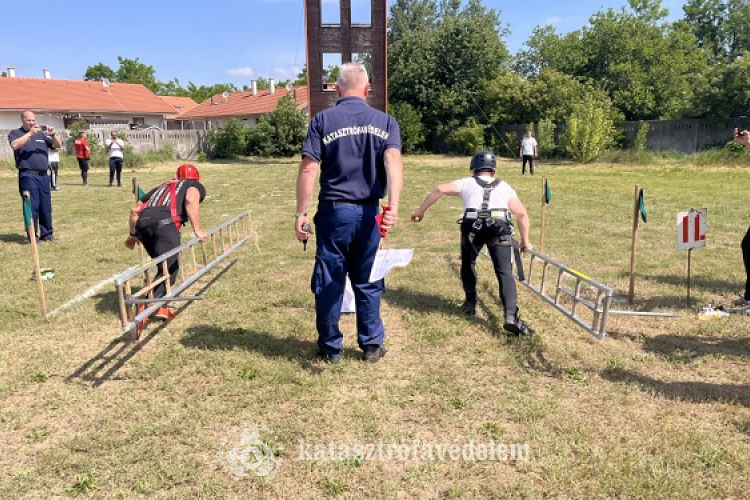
(584, 300)
(222, 241)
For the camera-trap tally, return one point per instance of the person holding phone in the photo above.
(115, 150)
(30, 146)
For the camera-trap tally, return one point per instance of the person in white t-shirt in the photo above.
(489, 204)
(116, 150)
(53, 159)
(529, 150)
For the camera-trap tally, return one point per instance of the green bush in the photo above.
(468, 139)
(228, 141)
(589, 130)
(410, 124)
(641, 136)
(545, 136)
(280, 133)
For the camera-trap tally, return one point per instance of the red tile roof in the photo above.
(179, 105)
(245, 103)
(75, 95)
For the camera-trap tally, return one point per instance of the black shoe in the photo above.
(109, 185)
(519, 328)
(49, 239)
(469, 307)
(373, 354)
(331, 359)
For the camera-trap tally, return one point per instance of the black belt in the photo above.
(333, 203)
(31, 171)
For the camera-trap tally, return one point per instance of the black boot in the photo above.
(518, 327)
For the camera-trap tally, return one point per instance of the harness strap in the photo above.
(172, 194)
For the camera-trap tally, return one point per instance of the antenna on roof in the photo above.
(289, 86)
(105, 84)
(225, 95)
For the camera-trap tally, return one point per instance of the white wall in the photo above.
(12, 119)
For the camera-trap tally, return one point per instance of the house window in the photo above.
(361, 12)
(330, 13)
(139, 120)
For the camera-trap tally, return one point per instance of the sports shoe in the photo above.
(164, 313)
(373, 354)
(741, 301)
(519, 328)
(469, 307)
(331, 359)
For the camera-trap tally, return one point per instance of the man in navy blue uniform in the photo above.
(30, 148)
(358, 151)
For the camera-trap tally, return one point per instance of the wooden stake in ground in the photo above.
(638, 209)
(31, 232)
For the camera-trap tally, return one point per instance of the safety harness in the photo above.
(499, 218)
(496, 218)
(170, 192)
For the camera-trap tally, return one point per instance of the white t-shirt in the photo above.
(117, 148)
(527, 146)
(53, 156)
(472, 193)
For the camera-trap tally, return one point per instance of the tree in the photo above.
(99, 72)
(410, 124)
(280, 132)
(439, 58)
(203, 93)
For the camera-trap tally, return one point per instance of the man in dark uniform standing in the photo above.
(30, 146)
(358, 151)
(158, 218)
(488, 204)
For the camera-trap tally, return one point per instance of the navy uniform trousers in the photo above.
(40, 196)
(347, 237)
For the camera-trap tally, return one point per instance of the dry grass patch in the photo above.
(658, 410)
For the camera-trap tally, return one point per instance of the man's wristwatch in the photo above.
(133, 235)
(300, 214)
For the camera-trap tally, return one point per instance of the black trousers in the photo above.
(500, 254)
(159, 235)
(530, 159)
(83, 164)
(746, 259)
(115, 167)
(54, 167)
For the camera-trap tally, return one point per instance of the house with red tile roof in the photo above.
(246, 106)
(180, 105)
(59, 103)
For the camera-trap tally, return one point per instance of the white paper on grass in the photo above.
(385, 260)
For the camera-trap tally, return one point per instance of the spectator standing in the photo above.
(54, 163)
(529, 150)
(115, 150)
(83, 154)
(30, 151)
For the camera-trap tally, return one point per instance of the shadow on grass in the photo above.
(209, 337)
(14, 238)
(687, 349)
(107, 302)
(697, 392)
(105, 364)
(698, 282)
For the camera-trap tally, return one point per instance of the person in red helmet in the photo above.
(158, 217)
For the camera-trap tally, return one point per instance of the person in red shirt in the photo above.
(83, 154)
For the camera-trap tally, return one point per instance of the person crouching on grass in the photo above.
(488, 204)
(157, 219)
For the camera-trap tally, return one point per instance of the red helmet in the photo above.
(187, 171)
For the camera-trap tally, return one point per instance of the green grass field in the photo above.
(660, 409)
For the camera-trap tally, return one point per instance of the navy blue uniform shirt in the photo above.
(33, 154)
(348, 142)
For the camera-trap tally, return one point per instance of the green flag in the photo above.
(642, 206)
(28, 218)
(547, 192)
(141, 192)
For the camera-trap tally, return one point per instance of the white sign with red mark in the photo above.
(691, 228)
